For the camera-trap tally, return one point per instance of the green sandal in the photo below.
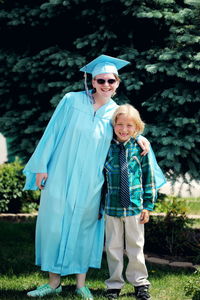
(44, 290)
(84, 293)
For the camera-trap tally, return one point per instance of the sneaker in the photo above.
(112, 293)
(45, 290)
(84, 293)
(142, 292)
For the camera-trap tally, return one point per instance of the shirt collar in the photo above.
(126, 143)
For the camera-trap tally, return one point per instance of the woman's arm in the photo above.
(144, 144)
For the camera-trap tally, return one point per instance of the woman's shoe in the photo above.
(84, 293)
(44, 290)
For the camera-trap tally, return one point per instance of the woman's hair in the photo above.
(131, 112)
(117, 77)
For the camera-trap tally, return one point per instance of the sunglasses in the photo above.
(103, 81)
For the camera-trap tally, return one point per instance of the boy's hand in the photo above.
(144, 217)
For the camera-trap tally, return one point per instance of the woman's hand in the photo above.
(40, 180)
(99, 216)
(144, 144)
(144, 217)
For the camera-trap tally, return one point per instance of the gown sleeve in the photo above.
(160, 179)
(39, 160)
(152, 179)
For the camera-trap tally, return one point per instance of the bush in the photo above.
(171, 205)
(12, 197)
(192, 288)
(172, 234)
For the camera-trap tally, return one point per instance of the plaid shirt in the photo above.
(141, 181)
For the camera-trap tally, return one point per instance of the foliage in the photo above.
(171, 205)
(172, 234)
(31, 207)
(12, 196)
(189, 205)
(159, 37)
(192, 287)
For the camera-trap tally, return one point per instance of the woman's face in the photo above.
(105, 84)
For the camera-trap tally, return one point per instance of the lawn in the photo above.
(18, 273)
(192, 208)
(193, 205)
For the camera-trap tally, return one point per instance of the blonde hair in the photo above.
(117, 77)
(133, 113)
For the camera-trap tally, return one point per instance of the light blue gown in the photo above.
(73, 149)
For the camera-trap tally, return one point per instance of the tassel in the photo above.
(86, 89)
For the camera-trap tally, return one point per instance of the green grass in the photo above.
(19, 275)
(166, 285)
(193, 205)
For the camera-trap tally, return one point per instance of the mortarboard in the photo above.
(104, 64)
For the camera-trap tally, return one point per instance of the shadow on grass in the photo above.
(12, 294)
(17, 247)
(68, 292)
(160, 271)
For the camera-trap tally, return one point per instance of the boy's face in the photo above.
(124, 128)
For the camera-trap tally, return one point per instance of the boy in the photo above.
(131, 193)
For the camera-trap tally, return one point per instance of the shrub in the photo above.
(192, 288)
(12, 196)
(171, 205)
(171, 234)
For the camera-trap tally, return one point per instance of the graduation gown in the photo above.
(73, 149)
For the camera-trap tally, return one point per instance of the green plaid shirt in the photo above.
(141, 181)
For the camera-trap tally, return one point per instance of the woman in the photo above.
(69, 159)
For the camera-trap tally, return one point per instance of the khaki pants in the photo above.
(130, 230)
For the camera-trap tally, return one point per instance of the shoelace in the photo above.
(143, 292)
(43, 287)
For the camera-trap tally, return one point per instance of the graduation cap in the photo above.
(104, 64)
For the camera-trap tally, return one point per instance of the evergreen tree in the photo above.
(44, 43)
